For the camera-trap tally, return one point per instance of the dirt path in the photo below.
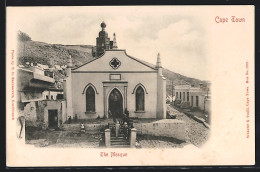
(197, 133)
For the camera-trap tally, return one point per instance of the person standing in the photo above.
(82, 128)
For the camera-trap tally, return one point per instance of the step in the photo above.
(119, 137)
(119, 140)
(119, 143)
(120, 146)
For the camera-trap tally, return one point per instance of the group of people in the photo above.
(122, 118)
(124, 121)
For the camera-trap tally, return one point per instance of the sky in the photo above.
(179, 34)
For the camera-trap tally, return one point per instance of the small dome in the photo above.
(103, 25)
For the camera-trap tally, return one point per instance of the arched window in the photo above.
(139, 99)
(90, 99)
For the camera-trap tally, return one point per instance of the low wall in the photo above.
(167, 127)
(88, 127)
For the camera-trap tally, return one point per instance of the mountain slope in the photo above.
(52, 54)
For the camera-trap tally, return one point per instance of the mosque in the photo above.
(114, 82)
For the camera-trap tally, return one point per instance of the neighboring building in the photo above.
(31, 103)
(49, 73)
(58, 67)
(52, 94)
(114, 82)
(194, 97)
(45, 67)
(63, 66)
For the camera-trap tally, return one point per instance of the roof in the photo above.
(143, 62)
(136, 59)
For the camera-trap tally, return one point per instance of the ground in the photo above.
(59, 138)
(147, 141)
(197, 135)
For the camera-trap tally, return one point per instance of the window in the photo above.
(90, 100)
(197, 100)
(180, 95)
(188, 98)
(183, 96)
(59, 96)
(192, 101)
(139, 96)
(176, 95)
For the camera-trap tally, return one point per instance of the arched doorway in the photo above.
(115, 104)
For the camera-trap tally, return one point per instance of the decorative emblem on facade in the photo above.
(115, 63)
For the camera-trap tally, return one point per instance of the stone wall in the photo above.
(167, 127)
(30, 114)
(88, 127)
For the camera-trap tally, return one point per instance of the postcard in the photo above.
(130, 86)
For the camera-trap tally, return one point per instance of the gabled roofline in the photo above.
(150, 66)
(87, 62)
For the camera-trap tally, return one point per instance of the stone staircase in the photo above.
(120, 141)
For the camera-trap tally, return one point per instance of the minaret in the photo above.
(69, 66)
(161, 91)
(158, 64)
(102, 41)
(114, 42)
(68, 89)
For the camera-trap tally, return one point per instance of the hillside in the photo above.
(57, 54)
(52, 54)
(179, 79)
